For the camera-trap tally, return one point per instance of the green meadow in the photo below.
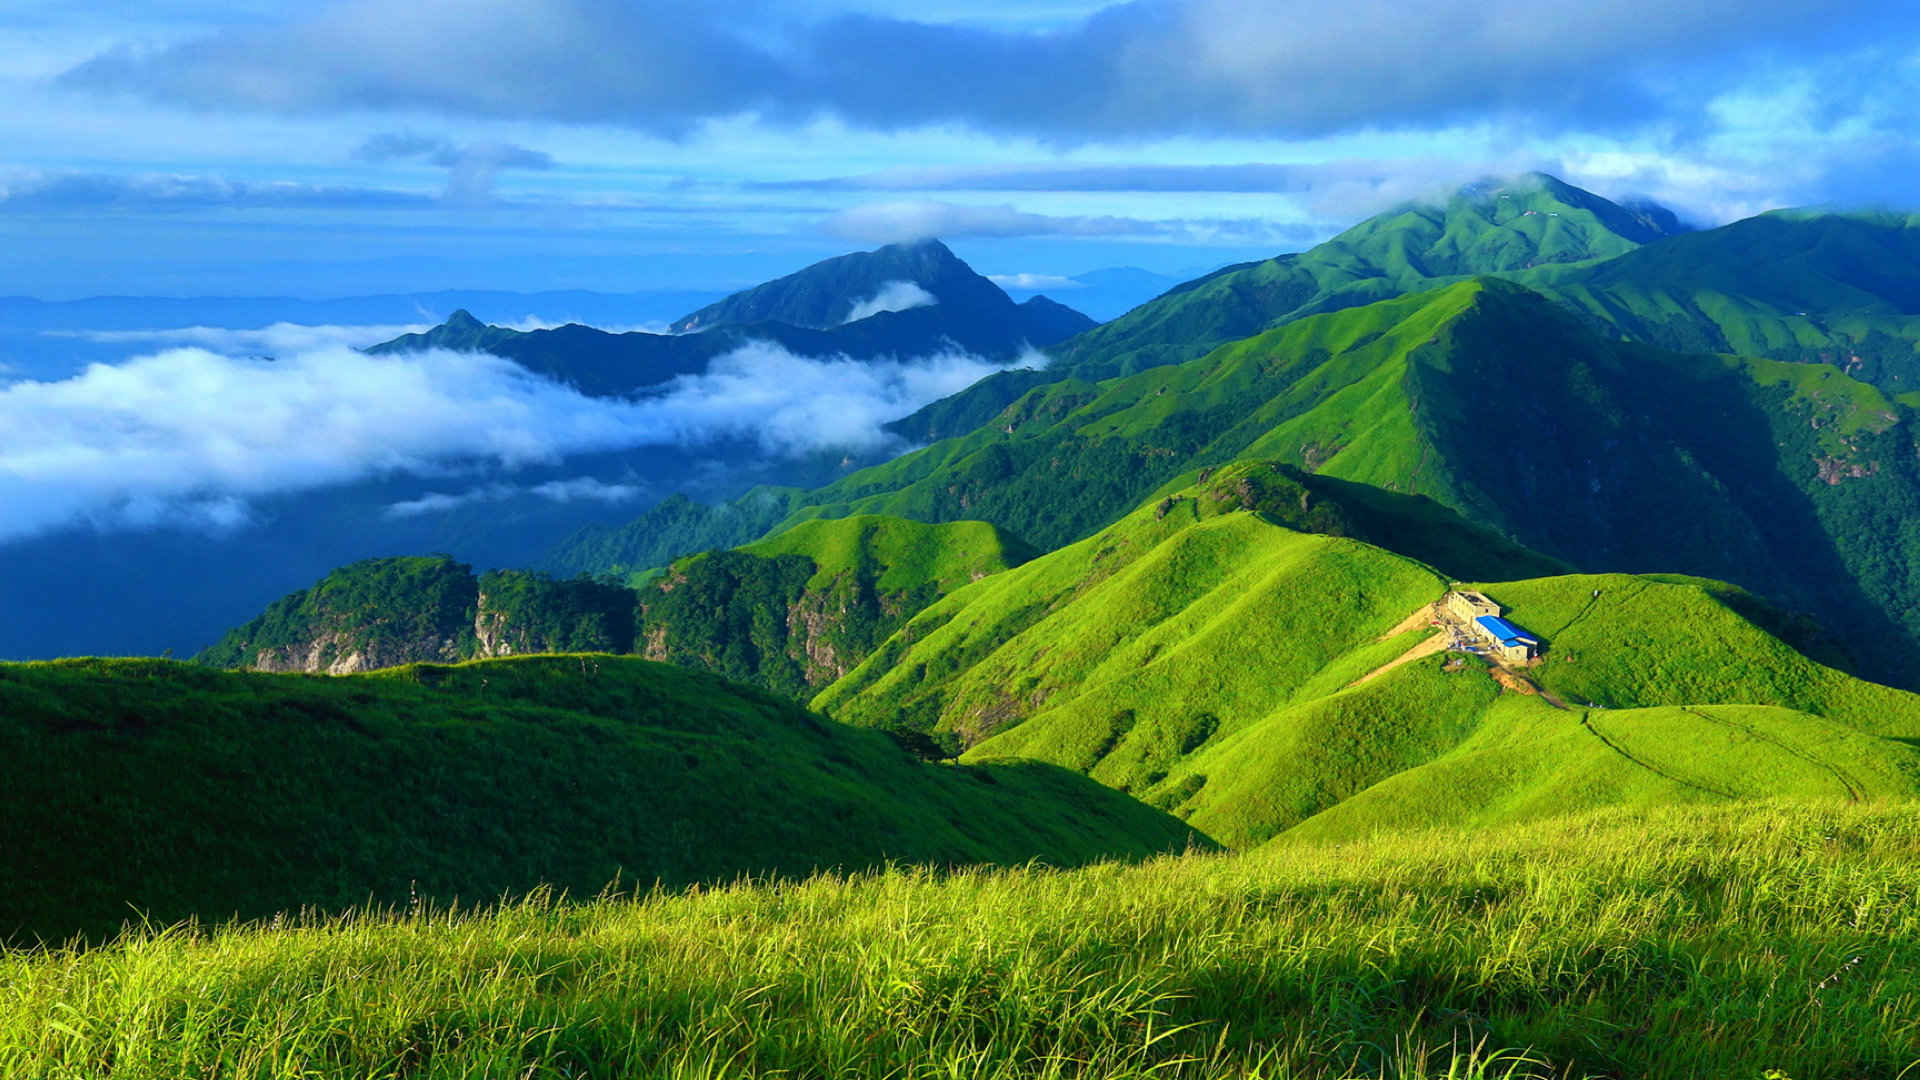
(1753, 942)
(136, 790)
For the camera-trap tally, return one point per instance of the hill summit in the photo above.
(892, 279)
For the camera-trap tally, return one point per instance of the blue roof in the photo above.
(1505, 632)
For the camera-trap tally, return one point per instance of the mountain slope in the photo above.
(799, 609)
(1485, 228)
(1791, 479)
(924, 300)
(788, 614)
(151, 789)
(890, 280)
(1215, 663)
(1832, 288)
(381, 613)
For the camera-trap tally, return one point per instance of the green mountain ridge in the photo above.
(1487, 228)
(1791, 479)
(385, 612)
(1237, 672)
(145, 789)
(787, 614)
(799, 609)
(1804, 285)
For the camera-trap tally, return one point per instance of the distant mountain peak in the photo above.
(891, 281)
(463, 320)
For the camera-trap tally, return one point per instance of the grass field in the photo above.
(1749, 942)
(147, 788)
(1205, 658)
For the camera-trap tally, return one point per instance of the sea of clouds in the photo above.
(187, 436)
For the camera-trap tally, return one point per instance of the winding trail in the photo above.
(1586, 721)
(1854, 791)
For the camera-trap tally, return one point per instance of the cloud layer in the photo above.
(186, 437)
(1138, 69)
(471, 169)
(280, 337)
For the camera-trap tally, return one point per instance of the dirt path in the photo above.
(1412, 622)
(1430, 645)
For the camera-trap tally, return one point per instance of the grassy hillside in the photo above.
(799, 609)
(1208, 659)
(1485, 228)
(671, 528)
(1794, 480)
(145, 788)
(1767, 939)
(1809, 286)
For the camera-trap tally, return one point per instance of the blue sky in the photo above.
(233, 147)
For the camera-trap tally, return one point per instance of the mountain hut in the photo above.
(1509, 642)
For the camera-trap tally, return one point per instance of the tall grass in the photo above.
(1676, 943)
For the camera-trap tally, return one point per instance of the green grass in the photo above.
(1409, 249)
(1206, 658)
(896, 554)
(1498, 408)
(133, 788)
(1678, 942)
(799, 609)
(1670, 640)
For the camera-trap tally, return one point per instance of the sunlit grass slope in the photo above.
(1213, 662)
(1678, 942)
(131, 787)
(1486, 229)
(1791, 285)
(1794, 480)
(894, 554)
(1171, 605)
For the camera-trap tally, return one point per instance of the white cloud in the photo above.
(528, 323)
(439, 502)
(281, 337)
(792, 404)
(906, 220)
(185, 437)
(1034, 282)
(560, 491)
(587, 488)
(892, 296)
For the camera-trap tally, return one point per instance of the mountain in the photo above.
(381, 613)
(923, 299)
(799, 609)
(1793, 480)
(144, 789)
(1103, 294)
(1253, 678)
(1801, 285)
(890, 280)
(789, 614)
(1484, 228)
(81, 591)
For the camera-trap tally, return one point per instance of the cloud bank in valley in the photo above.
(280, 337)
(577, 489)
(186, 437)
